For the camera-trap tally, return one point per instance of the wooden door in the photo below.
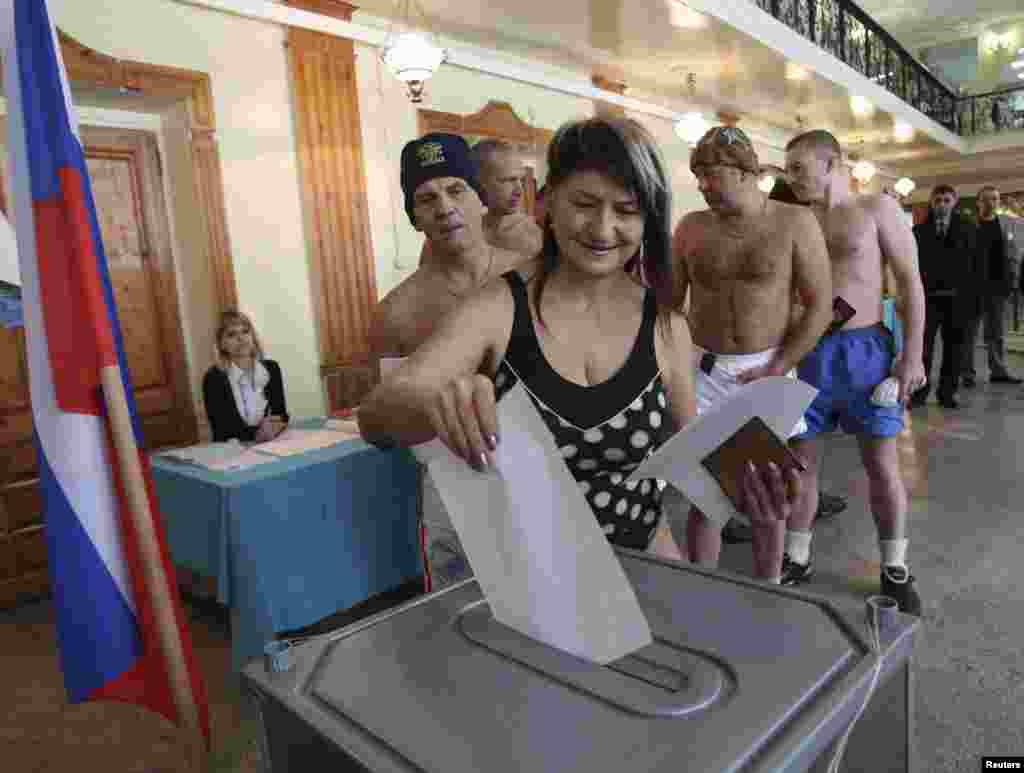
(126, 177)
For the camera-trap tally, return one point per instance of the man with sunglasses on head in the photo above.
(743, 261)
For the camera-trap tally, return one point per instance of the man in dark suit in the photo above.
(995, 276)
(946, 246)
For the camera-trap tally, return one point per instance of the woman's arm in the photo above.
(437, 385)
(225, 420)
(275, 391)
(674, 350)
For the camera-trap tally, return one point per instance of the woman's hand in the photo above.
(270, 428)
(768, 494)
(465, 418)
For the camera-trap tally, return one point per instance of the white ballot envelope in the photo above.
(778, 401)
(536, 549)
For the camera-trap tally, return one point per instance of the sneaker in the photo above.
(736, 532)
(794, 573)
(969, 381)
(829, 505)
(898, 583)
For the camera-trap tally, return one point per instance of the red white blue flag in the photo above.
(107, 624)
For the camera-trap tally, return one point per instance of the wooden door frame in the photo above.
(193, 88)
(157, 250)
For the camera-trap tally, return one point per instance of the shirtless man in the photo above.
(506, 223)
(864, 233)
(743, 260)
(444, 201)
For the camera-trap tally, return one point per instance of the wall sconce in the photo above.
(691, 127)
(413, 57)
(997, 43)
(902, 132)
(863, 171)
(904, 186)
(766, 183)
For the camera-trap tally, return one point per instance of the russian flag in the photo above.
(120, 625)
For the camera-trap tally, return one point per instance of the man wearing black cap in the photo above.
(444, 201)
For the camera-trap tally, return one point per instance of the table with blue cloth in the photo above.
(297, 539)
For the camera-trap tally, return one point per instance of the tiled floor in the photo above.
(967, 542)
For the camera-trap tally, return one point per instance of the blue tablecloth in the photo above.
(297, 539)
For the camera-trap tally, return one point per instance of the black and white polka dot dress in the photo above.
(603, 431)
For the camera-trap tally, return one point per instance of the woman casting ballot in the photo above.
(607, 362)
(243, 392)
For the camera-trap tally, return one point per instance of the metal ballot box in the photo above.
(741, 677)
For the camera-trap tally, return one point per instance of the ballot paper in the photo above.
(248, 458)
(779, 401)
(536, 549)
(298, 441)
(209, 455)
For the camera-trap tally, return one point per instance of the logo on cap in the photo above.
(430, 153)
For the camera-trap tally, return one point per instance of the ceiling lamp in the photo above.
(902, 132)
(861, 106)
(413, 57)
(766, 183)
(863, 171)
(691, 127)
(904, 186)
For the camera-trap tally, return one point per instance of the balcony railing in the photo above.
(848, 33)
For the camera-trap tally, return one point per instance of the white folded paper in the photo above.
(539, 555)
(780, 402)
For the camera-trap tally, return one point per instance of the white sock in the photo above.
(894, 552)
(773, 580)
(798, 545)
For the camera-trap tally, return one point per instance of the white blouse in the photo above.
(248, 392)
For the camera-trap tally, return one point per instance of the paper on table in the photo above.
(248, 458)
(206, 454)
(348, 427)
(780, 402)
(539, 555)
(298, 441)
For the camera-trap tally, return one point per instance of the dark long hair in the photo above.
(623, 150)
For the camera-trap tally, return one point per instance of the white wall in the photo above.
(389, 121)
(248, 70)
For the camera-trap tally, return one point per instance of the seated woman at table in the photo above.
(608, 363)
(243, 392)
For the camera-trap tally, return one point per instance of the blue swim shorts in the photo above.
(845, 368)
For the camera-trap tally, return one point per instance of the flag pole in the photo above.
(149, 548)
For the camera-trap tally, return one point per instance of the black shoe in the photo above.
(736, 532)
(829, 505)
(794, 573)
(1006, 378)
(969, 382)
(898, 583)
(918, 399)
(949, 402)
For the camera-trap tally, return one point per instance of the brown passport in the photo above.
(753, 442)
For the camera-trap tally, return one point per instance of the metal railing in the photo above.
(848, 33)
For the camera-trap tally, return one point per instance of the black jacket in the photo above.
(225, 420)
(949, 265)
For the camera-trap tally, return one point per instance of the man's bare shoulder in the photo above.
(795, 215)
(689, 228)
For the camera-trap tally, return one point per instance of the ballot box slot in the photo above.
(659, 680)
